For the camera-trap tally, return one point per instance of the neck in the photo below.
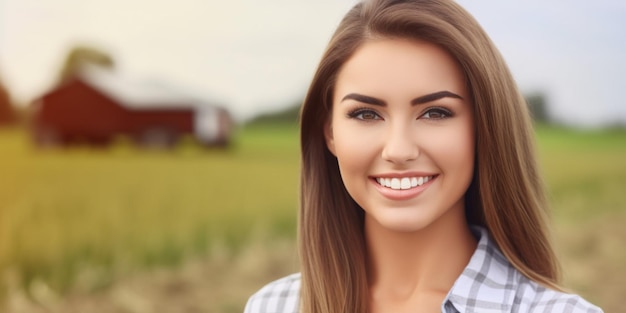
(402, 265)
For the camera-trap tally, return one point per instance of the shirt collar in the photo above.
(487, 282)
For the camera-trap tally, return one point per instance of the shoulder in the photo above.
(279, 296)
(490, 283)
(532, 297)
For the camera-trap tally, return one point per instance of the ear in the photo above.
(328, 136)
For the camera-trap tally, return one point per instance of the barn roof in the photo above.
(138, 95)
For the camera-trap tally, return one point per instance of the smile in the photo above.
(404, 182)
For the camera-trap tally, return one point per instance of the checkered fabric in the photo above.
(489, 284)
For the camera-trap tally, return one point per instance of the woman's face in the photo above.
(402, 130)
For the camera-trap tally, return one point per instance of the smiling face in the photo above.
(403, 133)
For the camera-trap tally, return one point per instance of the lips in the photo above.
(403, 183)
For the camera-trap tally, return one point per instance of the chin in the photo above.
(404, 223)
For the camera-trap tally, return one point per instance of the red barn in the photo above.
(97, 106)
(7, 114)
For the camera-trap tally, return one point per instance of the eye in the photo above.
(437, 114)
(364, 114)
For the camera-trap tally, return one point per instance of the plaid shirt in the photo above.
(488, 284)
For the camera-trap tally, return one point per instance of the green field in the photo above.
(123, 208)
(113, 213)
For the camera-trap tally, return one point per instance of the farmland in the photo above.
(128, 230)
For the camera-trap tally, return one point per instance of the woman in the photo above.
(419, 189)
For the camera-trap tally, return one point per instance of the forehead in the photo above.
(400, 66)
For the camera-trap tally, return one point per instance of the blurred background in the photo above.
(149, 149)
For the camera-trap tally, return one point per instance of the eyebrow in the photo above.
(419, 100)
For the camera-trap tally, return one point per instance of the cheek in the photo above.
(356, 148)
(352, 150)
(454, 149)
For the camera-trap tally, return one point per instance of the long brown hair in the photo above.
(506, 194)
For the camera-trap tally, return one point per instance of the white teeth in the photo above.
(403, 183)
(395, 183)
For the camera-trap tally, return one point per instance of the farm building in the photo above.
(96, 106)
(7, 115)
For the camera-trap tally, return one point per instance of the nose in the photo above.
(400, 146)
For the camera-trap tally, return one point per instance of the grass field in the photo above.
(586, 178)
(121, 209)
(81, 221)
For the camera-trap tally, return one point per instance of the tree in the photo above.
(288, 115)
(80, 56)
(538, 107)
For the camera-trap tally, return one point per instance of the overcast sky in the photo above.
(258, 56)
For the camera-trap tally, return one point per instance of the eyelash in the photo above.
(438, 110)
(443, 111)
(360, 111)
